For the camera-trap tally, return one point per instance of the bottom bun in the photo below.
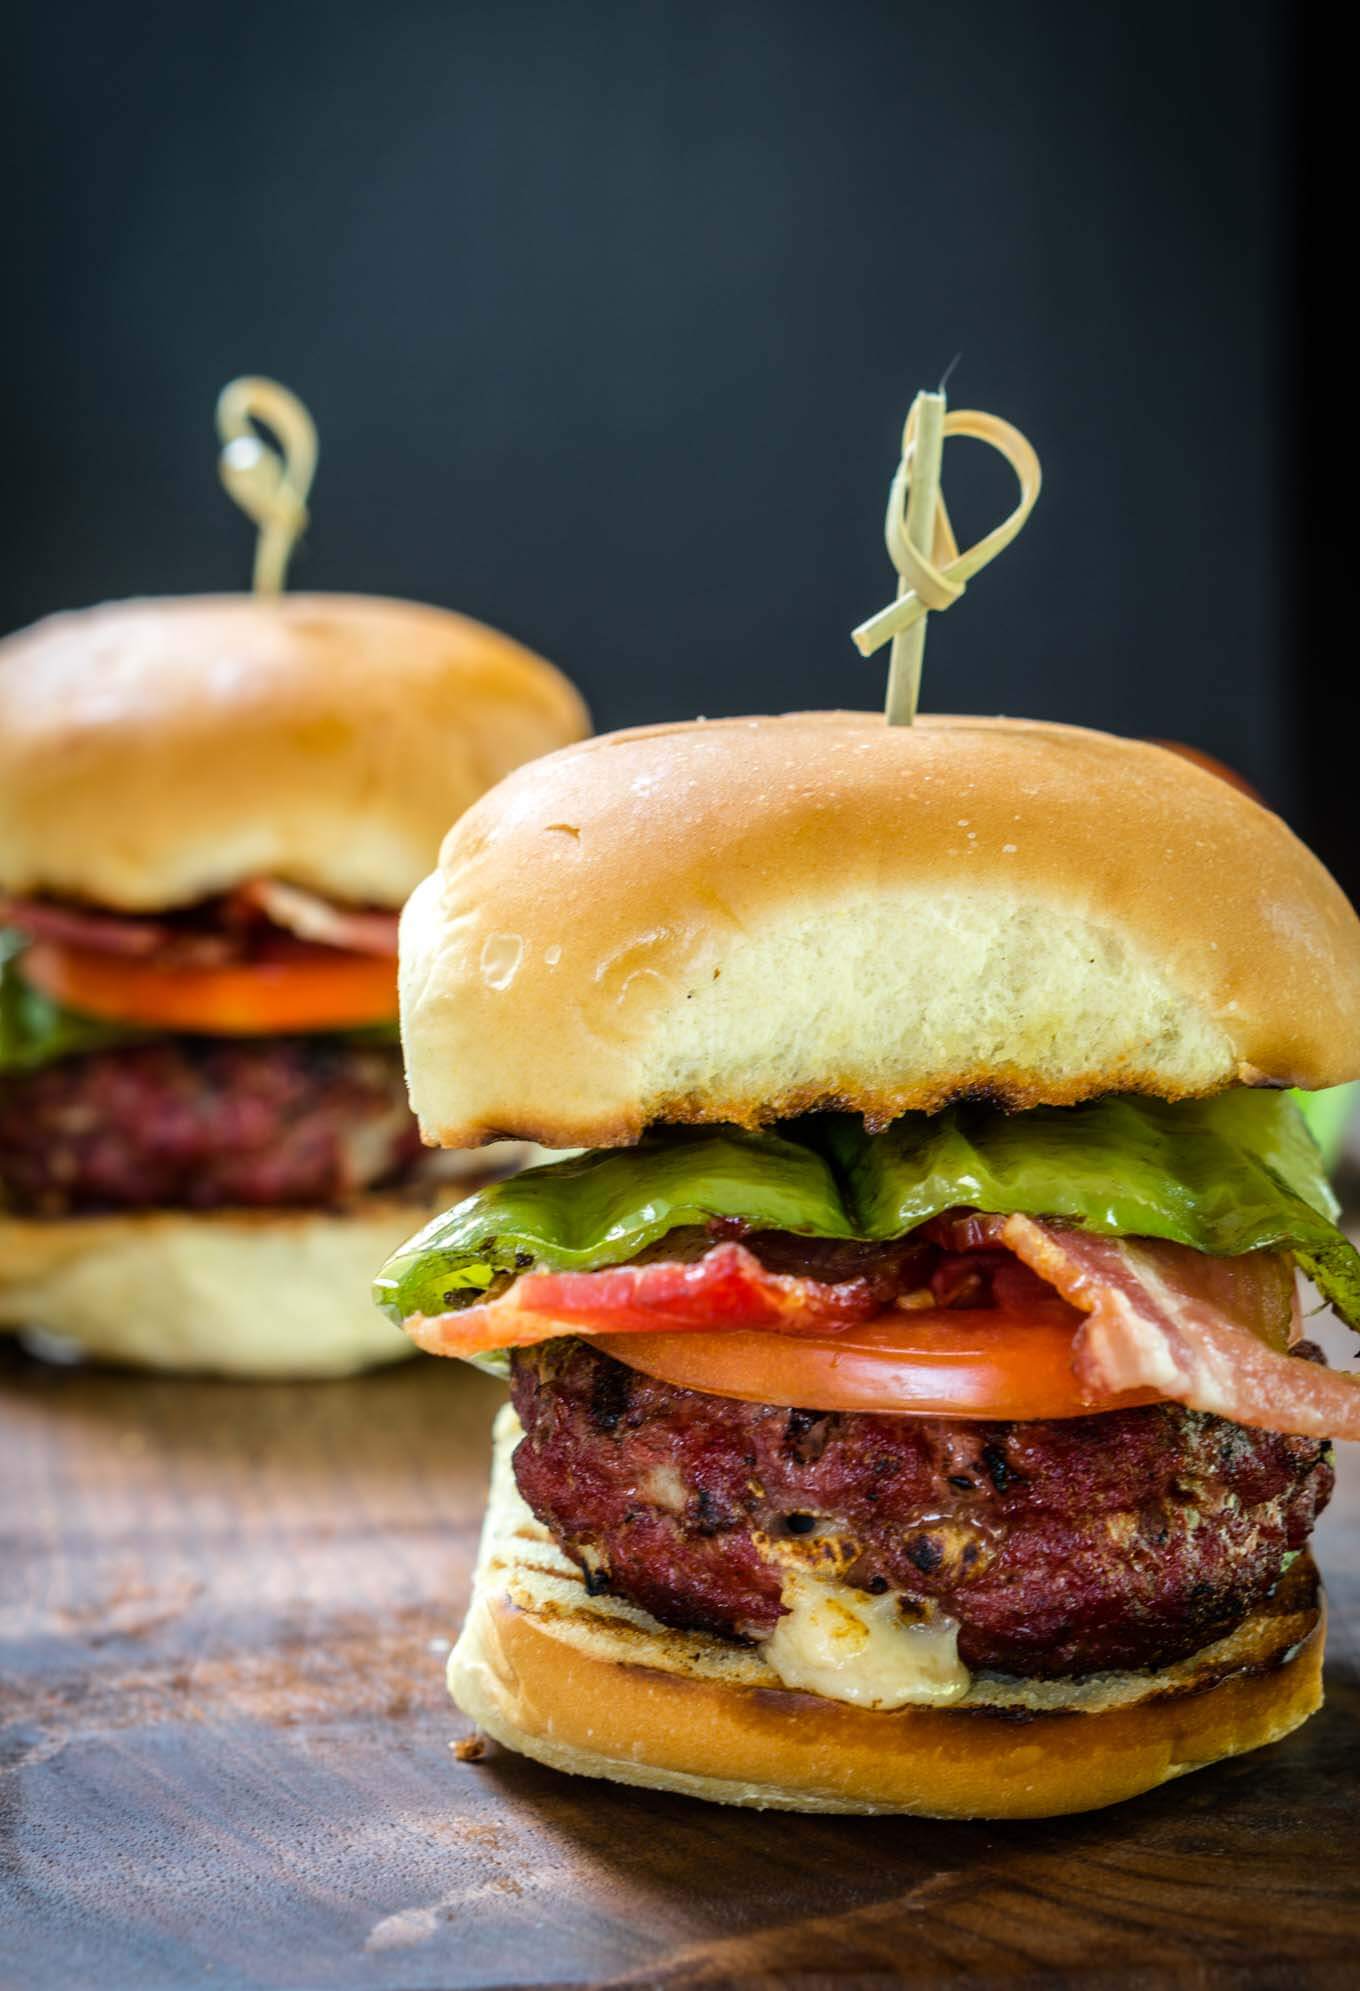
(594, 1686)
(268, 1293)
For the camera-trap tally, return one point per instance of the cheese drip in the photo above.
(849, 1646)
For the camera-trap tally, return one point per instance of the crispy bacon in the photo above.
(1205, 1332)
(310, 917)
(219, 934)
(727, 1288)
(103, 932)
(1211, 1333)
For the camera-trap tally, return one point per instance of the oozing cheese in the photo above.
(840, 1642)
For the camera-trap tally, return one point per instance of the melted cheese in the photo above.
(849, 1646)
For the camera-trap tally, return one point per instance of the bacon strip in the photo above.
(193, 940)
(310, 917)
(82, 926)
(727, 1288)
(1162, 1317)
(1211, 1333)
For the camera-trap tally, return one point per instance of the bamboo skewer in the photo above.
(932, 573)
(271, 488)
(922, 448)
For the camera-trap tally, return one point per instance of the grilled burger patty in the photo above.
(1124, 1540)
(205, 1123)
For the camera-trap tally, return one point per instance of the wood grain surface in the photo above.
(225, 1753)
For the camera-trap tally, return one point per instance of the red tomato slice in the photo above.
(294, 986)
(950, 1362)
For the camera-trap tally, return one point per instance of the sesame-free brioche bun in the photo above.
(153, 753)
(737, 920)
(596, 1686)
(264, 1293)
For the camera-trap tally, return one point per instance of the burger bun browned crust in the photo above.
(741, 920)
(154, 753)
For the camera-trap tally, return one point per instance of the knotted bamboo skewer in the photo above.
(271, 488)
(932, 573)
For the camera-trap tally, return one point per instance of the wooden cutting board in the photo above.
(225, 1753)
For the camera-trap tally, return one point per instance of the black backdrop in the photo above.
(609, 315)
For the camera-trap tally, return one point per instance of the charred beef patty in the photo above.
(205, 1123)
(1124, 1540)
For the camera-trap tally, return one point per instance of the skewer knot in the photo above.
(935, 579)
(271, 488)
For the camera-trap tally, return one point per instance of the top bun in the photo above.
(741, 919)
(155, 752)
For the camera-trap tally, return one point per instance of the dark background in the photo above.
(609, 315)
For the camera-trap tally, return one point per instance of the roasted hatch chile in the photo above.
(1236, 1173)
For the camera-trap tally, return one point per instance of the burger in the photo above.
(911, 1410)
(210, 811)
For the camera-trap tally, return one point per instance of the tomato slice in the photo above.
(292, 986)
(947, 1362)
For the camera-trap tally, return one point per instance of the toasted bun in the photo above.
(231, 1293)
(594, 1686)
(743, 919)
(155, 752)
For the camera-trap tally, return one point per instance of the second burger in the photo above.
(210, 811)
